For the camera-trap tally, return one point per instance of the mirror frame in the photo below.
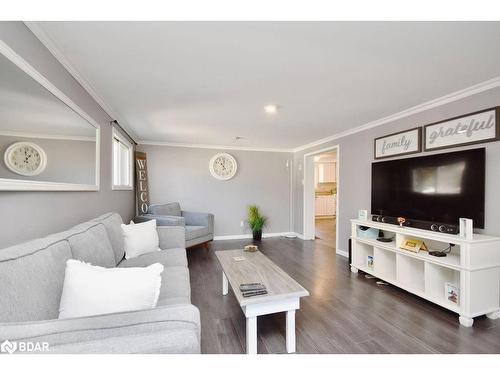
(7, 184)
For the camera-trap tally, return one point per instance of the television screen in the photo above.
(440, 188)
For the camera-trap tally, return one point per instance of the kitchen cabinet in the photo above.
(325, 205)
(325, 172)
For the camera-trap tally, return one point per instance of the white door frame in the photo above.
(309, 216)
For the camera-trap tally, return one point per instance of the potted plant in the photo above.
(256, 221)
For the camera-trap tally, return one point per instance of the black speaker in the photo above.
(349, 246)
(420, 224)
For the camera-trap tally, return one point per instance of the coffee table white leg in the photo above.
(290, 331)
(252, 335)
(224, 284)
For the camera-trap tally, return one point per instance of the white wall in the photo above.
(27, 215)
(181, 174)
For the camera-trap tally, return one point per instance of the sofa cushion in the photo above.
(195, 231)
(140, 238)
(92, 290)
(112, 222)
(175, 285)
(170, 257)
(171, 209)
(31, 279)
(160, 330)
(91, 244)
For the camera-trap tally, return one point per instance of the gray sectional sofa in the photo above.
(31, 280)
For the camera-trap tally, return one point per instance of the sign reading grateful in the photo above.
(402, 143)
(473, 128)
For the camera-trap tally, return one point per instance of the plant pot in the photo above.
(257, 235)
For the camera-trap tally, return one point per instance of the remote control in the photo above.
(250, 287)
(254, 293)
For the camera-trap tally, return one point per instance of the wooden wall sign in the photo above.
(141, 176)
(477, 127)
(401, 143)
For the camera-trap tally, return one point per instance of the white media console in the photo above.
(473, 267)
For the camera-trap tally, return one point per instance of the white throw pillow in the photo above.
(91, 290)
(140, 238)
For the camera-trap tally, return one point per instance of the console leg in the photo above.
(354, 269)
(466, 322)
(494, 315)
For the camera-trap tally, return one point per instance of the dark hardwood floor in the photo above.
(326, 230)
(346, 313)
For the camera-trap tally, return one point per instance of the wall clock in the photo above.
(25, 158)
(223, 166)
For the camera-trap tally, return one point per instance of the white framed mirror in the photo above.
(47, 142)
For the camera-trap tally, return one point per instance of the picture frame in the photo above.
(405, 142)
(452, 293)
(469, 129)
(413, 245)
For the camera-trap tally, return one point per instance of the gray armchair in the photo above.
(199, 226)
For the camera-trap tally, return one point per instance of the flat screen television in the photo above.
(439, 188)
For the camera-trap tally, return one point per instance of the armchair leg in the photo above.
(206, 245)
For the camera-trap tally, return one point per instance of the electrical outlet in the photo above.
(242, 223)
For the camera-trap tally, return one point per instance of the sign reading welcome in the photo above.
(402, 143)
(141, 175)
(478, 127)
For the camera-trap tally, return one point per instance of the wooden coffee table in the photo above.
(283, 292)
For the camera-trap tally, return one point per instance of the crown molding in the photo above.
(449, 98)
(49, 43)
(214, 147)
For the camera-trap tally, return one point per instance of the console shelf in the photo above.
(466, 281)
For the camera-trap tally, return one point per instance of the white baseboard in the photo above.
(299, 235)
(246, 236)
(342, 252)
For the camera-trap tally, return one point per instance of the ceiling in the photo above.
(207, 82)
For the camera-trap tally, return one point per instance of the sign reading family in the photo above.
(402, 143)
(478, 127)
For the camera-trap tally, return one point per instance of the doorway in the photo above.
(321, 195)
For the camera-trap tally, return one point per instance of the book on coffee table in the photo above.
(251, 287)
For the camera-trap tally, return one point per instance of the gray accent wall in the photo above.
(181, 174)
(27, 215)
(356, 156)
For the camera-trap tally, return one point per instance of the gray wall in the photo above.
(356, 156)
(26, 215)
(68, 161)
(180, 174)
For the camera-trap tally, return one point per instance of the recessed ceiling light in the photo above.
(271, 109)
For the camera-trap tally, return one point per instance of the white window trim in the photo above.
(125, 141)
